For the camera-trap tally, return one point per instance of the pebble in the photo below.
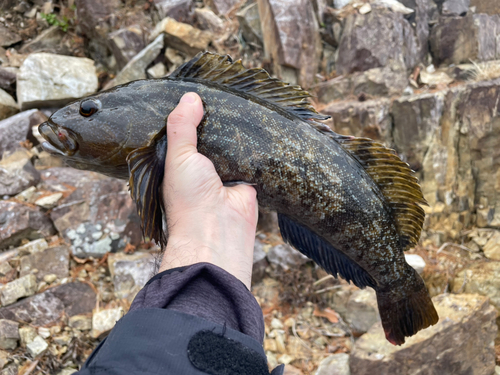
(23, 287)
(37, 346)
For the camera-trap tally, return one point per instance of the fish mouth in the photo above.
(59, 141)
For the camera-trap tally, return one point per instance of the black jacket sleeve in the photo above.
(190, 320)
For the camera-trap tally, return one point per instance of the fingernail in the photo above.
(188, 98)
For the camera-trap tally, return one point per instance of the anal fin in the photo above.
(146, 170)
(324, 254)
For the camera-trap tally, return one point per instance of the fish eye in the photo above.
(88, 108)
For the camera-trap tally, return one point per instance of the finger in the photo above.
(182, 123)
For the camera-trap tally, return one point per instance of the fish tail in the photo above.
(404, 317)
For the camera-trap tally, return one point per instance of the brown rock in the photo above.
(182, 37)
(9, 334)
(54, 260)
(126, 43)
(492, 248)
(467, 325)
(17, 173)
(486, 6)
(48, 307)
(8, 106)
(222, 7)
(8, 79)
(19, 221)
(14, 130)
(97, 215)
(372, 40)
(208, 20)
(49, 40)
(7, 37)
(96, 16)
(291, 38)
(179, 10)
(370, 118)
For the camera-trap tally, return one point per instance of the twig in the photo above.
(446, 244)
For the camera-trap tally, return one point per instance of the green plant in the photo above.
(54, 21)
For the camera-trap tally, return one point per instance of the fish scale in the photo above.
(348, 203)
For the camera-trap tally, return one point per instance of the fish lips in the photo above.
(59, 141)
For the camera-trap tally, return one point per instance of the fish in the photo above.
(348, 203)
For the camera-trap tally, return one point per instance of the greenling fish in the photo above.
(348, 203)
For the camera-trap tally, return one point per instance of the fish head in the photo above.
(92, 133)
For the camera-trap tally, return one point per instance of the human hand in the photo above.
(207, 222)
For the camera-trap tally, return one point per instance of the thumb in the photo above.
(181, 126)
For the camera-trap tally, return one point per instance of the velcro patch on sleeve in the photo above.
(216, 354)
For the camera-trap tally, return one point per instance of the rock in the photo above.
(8, 106)
(291, 39)
(126, 43)
(208, 20)
(14, 130)
(387, 81)
(339, 4)
(136, 68)
(11, 369)
(48, 80)
(8, 37)
(370, 118)
(250, 26)
(415, 122)
(50, 40)
(104, 321)
(52, 261)
(488, 37)
(96, 16)
(9, 334)
(486, 6)
(8, 78)
(7, 273)
(467, 325)
(96, 215)
(336, 364)
(19, 221)
(157, 71)
(46, 308)
(23, 287)
(33, 247)
(416, 261)
(130, 272)
(455, 7)
(182, 37)
(49, 201)
(80, 322)
(260, 262)
(435, 79)
(361, 311)
(26, 335)
(492, 248)
(17, 173)
(222, 7)
(179, 10)
(67, 371)
(37, 346)
(372, 40)
(285, 256)
(4, 358)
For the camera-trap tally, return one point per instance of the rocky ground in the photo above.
(420, 76)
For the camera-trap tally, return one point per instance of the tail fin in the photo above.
(405, 317)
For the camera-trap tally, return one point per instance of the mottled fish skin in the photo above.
(296, 169)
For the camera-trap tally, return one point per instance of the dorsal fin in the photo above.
(220, 69)
(395, 180)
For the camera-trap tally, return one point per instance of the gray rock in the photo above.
(336, 364)
(488, 37)
(157, 71)
(11, 369)
(130, 272)
(17, 173)
(455, 7)
(136, 68)
(45, 308)
(47, 79)
(182, 37)
(8, 79)
(462, 342)
(374, 39)
(103, 321)
(259, 261)
(361, 310)
(8, 37)
(416, 261)
(339, 4)
(54, 260)
(222, 7)
(291, 38)
(8, 106)
(15, 129)
(250, 26)
(9, 334)
(208, 20)
(97, 214)
(96, 16)
(286, 256)
(179, 10)
(37, 346)
(23, 287)
(370, 118)
(126, 43)
(19, 221)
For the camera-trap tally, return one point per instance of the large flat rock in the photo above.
(462, 342)
(46, 79)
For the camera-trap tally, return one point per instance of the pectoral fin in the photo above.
(146, 169)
